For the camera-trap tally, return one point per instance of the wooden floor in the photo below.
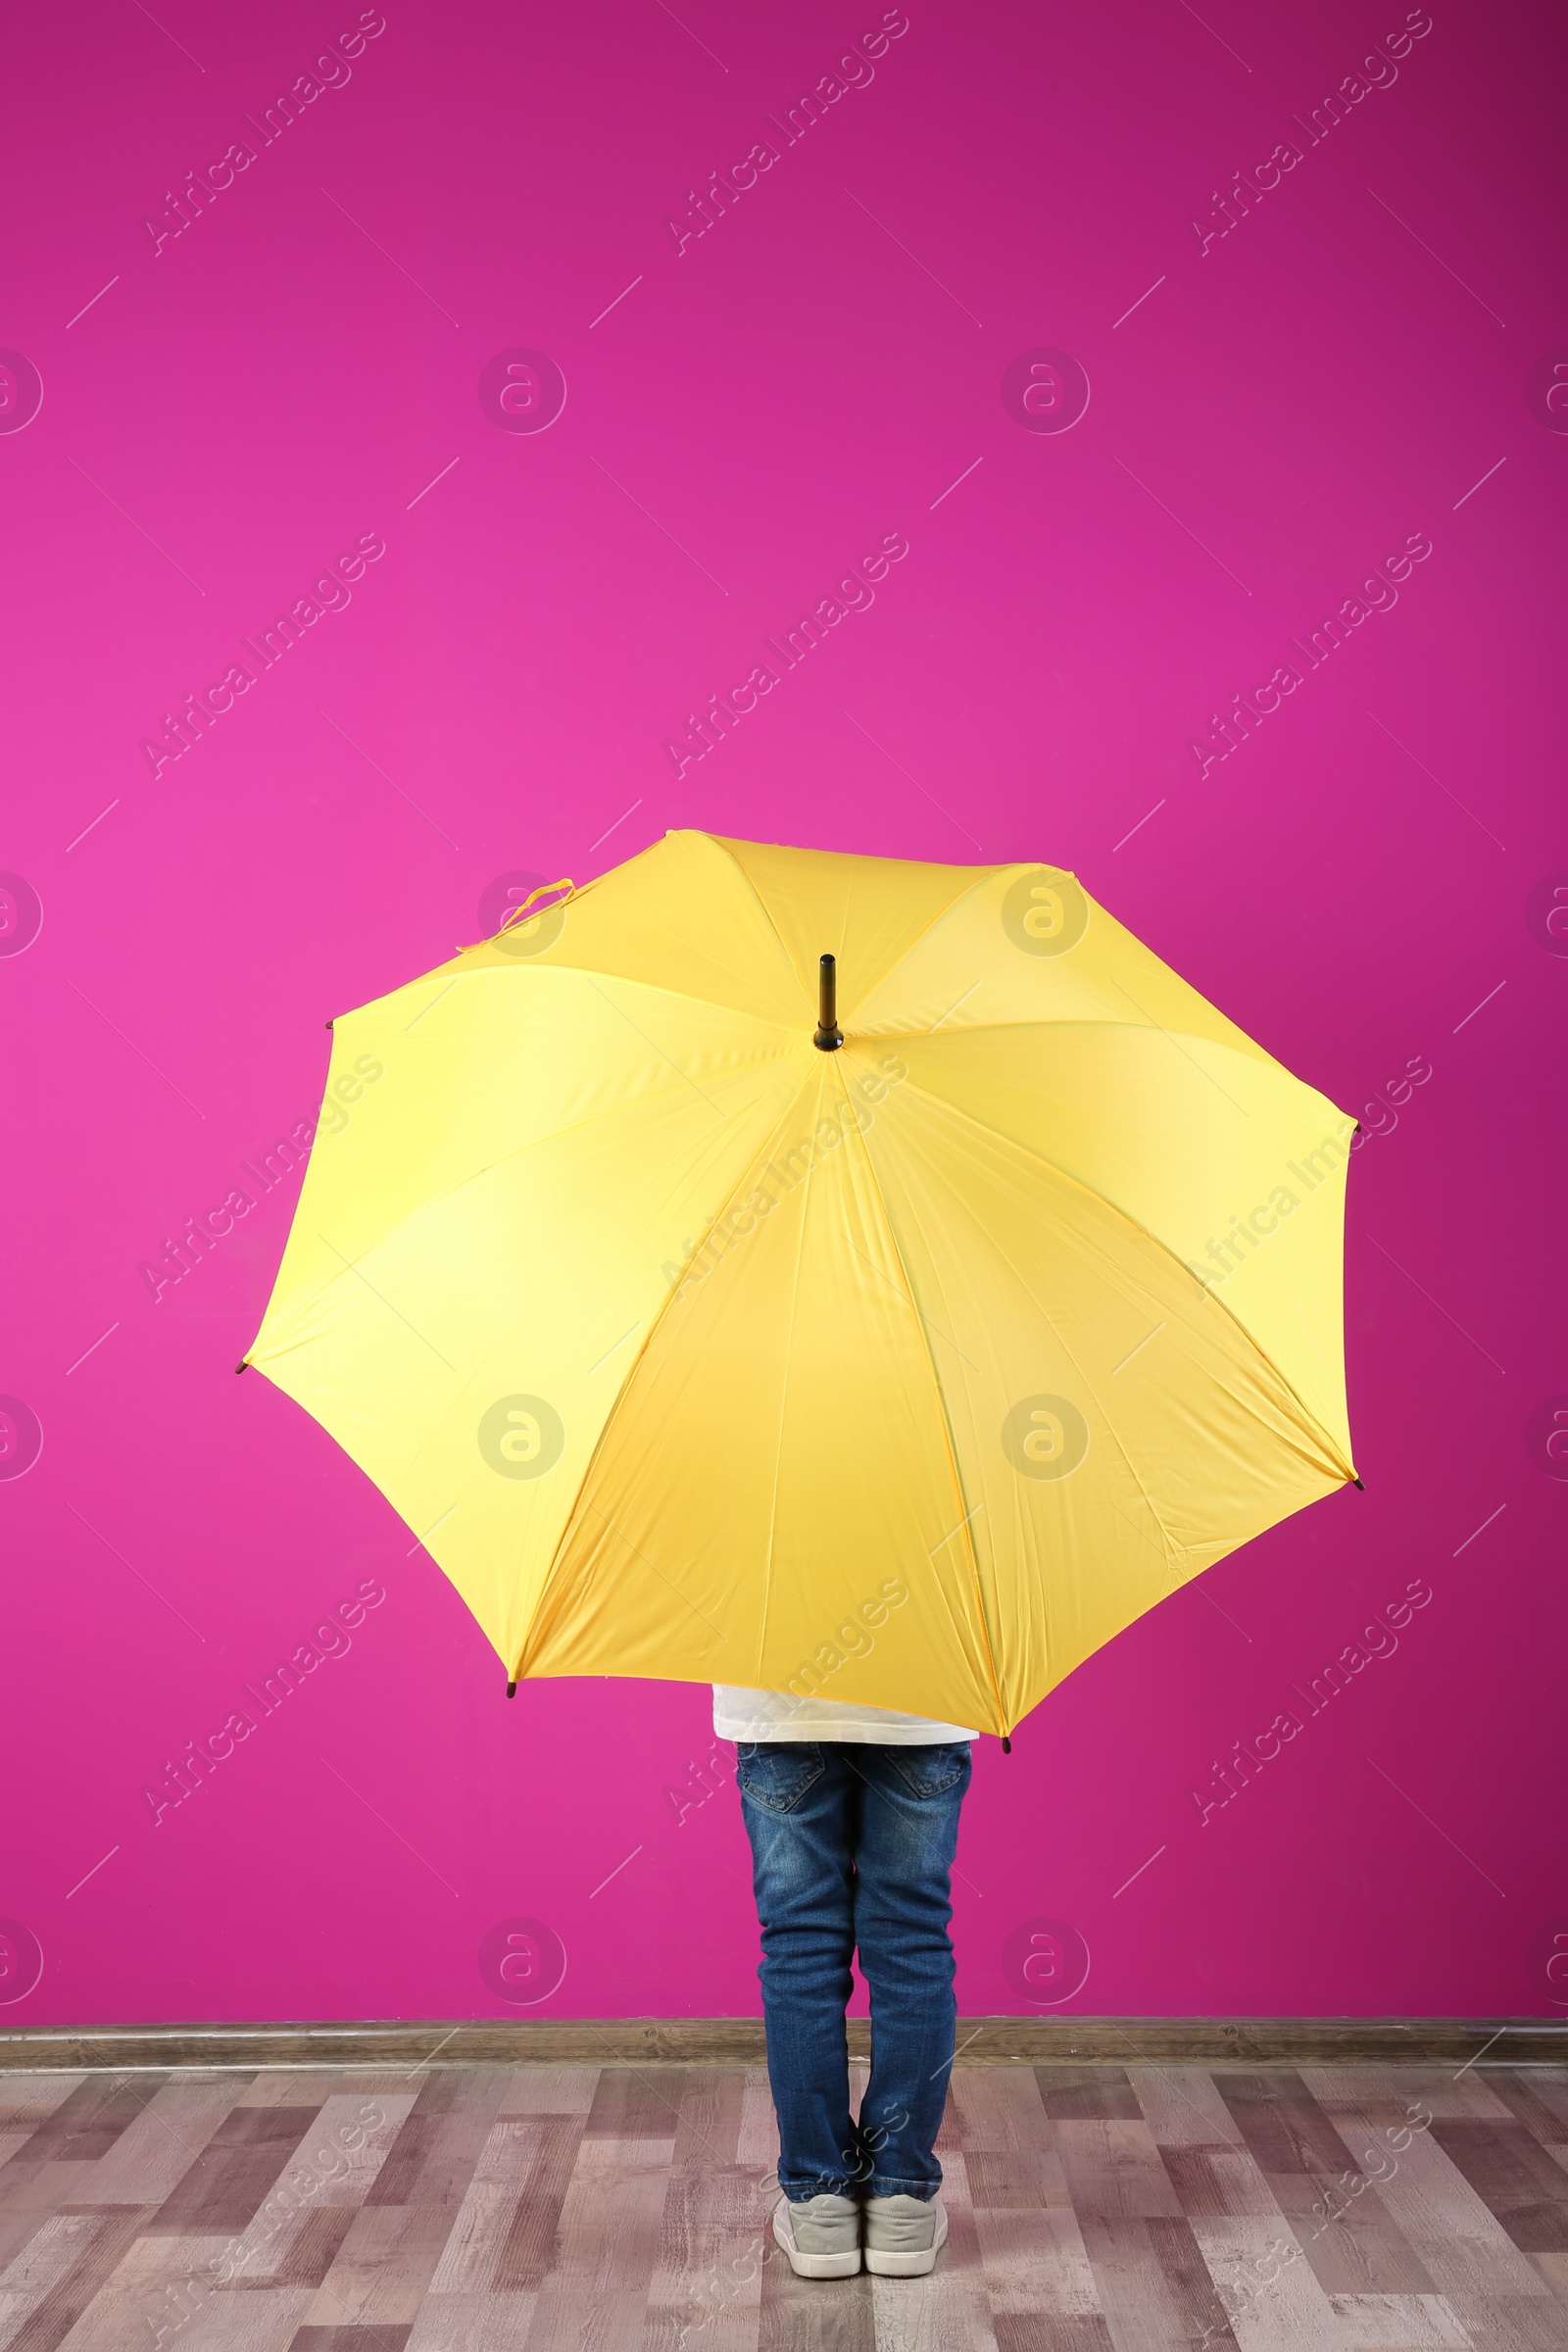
(573, 2210)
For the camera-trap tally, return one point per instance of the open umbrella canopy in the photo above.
(908, 1371)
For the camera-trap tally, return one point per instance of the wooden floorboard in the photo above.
(1357, 2207)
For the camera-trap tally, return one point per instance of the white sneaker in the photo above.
(904, 2235)
(821, 2235)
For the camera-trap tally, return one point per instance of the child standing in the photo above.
(852, 1814)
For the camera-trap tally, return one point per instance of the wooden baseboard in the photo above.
(1458, 2042)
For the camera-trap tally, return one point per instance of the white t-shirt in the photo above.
(740, 1713)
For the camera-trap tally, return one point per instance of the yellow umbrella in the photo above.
(906, 1370)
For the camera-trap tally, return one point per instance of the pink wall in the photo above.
(1365, 355)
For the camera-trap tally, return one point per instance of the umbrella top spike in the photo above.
(829, 1036)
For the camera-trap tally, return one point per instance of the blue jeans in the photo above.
(851, 1848)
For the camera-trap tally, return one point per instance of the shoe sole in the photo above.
(908, 2266)
(824, 2265)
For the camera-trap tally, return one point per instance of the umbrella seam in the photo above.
(1023, 866)
(538, 1628)
(783, 1408)
(982, 876)
(904, 952)
(719, 843)
(1174, 1567)
(946, 1435)
(1171, 1541)
(1039, 1158)
(681, 996)
(1260, 1054)
(473, 1176)
(1028, 1289)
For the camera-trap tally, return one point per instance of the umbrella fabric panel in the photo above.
(464, 1332)
(774, 1501)
(479, 1066)
(1116, 1429)
(1028, 944)
(1236, 1166)
(682, 917)
(866, 912)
